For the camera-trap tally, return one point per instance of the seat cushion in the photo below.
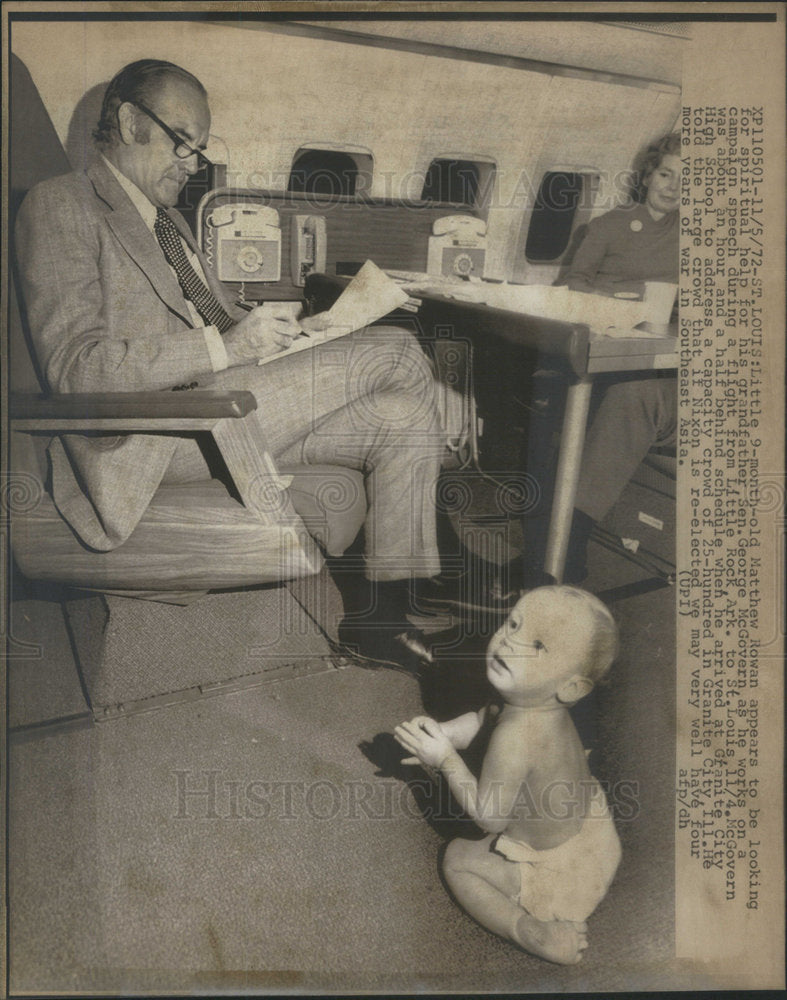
(196, 536)
(192, 537)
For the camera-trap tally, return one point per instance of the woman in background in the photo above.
(620, 252)
(634, 244)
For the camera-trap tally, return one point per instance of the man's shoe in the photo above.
(407, 650)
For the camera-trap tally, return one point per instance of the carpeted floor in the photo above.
(267, 839)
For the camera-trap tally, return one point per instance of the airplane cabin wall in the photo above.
(272, 92)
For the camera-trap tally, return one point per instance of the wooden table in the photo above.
(570, 347)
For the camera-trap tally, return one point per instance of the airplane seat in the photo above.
(193, 539)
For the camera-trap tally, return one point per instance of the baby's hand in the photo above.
(425, 739)
(418, 722)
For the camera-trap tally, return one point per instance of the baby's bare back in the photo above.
(556, 786)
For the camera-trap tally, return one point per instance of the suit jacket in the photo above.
(106, 314)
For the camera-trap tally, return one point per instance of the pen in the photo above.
(249, 308)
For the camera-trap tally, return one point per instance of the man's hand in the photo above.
(315, 324)
(425, 739)
(264, 331)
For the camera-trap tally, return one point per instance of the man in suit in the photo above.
(119, 298)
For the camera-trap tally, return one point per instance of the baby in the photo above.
(552, 849)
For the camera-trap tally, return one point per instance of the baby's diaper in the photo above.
(568, 882)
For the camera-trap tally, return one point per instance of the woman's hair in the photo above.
(139, 81)
(649, 160)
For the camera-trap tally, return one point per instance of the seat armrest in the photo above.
(198, 409)
(220, 412)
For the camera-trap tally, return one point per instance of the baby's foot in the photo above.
(561, 941)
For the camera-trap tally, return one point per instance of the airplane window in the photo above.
(554, 211)
(452, 180)
(323, 171)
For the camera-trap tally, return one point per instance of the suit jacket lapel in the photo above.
(137, 240)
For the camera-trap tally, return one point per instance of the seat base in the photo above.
(135, 653)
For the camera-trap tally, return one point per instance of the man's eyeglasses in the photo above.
(182, 149)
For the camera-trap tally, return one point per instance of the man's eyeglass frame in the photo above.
(182, 149)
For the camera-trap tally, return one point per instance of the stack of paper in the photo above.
(556, 302)
(610, 316)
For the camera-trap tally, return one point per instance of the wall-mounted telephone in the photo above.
(308, 245)
(244, 241)
(457, 246)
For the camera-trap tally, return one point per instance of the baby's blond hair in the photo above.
(603, 643)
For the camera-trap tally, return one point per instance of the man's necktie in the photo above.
(205, 302)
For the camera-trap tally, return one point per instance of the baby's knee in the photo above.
(460, 856)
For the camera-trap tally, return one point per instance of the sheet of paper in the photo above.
(369, 296)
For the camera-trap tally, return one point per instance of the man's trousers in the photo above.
(366, 402)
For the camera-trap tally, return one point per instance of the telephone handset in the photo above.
(308, 245)
(457, 246)
(463, 228)
(244, 239)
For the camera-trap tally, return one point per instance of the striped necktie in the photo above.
(205, 302)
